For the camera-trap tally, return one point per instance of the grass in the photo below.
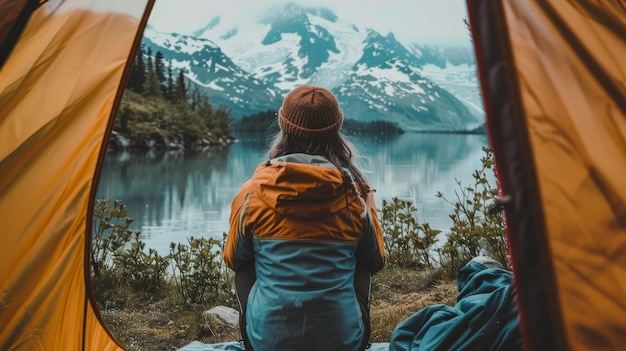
(398, 293)
(145, 324)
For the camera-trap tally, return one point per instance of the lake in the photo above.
(175, 195)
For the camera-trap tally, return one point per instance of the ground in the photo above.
(396, 294)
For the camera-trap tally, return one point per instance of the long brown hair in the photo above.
(338, 150)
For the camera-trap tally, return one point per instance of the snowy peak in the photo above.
(387, 84)
(315, 43)
(205, 65)
(250, 65)
(290, 13)
(289, 45)
(179, 43)
(384, 51)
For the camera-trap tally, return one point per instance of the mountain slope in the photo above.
(386, 84)
(251, 65)
(205, 64)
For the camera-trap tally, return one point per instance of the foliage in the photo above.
(121, 267)
(141, 117)
(160, 102)
(267, 122)
(110, 235)
(198, 270)
(152, 84)
(407, 242)
(476, 229)
(144, 272)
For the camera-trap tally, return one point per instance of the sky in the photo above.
(421, 21)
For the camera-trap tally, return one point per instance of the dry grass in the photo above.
(156, 327)
(162, 325)
(399, 293)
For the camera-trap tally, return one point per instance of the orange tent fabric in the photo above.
(553, 75)
(59, 88)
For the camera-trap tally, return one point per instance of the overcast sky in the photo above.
(422, 21)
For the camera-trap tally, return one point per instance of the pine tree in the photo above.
(138, 73)
(149, 64)
(152, 86)
(169, 89)
(194, 96)
(159, 69)
(181, 88)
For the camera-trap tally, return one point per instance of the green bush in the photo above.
(111, 234)
(144, 272)
(407, 242)
(198, 270)
(121, 267)
(476, 229)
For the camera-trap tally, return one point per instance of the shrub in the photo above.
(407, 242)
(476, 229)
(197, 269)
(111, 233)
(144, 272)
(122, 267)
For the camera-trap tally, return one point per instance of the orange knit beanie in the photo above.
(310, 113)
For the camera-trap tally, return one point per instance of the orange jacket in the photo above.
(301, 197)
(302, 223)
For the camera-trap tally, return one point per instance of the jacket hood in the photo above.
(305, 186)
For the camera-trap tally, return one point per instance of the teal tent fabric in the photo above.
(484, 317)
(237, 346)
(224, 346)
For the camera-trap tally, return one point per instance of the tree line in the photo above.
(267, 122)
(151, 78)
(162, 104)
(160, 99)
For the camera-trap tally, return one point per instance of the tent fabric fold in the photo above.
(15, 15)
(553, 75)
(58, 90)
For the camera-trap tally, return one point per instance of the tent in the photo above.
(59, 89)
(553, 77)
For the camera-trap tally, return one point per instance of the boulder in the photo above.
(225, 314)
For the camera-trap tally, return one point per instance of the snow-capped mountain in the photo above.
(290, 45)
(454, 69)
(250, 66)
(205, 64)
(386, 84)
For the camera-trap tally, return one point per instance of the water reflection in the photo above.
(416, 166)
(175, 195)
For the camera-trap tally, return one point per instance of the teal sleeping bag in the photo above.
(484, 317)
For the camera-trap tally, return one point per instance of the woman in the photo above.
(306, 226)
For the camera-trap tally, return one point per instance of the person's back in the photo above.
(303, 222)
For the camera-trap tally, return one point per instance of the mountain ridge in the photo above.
(250, 67)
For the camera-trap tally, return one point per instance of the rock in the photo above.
(225, 314)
